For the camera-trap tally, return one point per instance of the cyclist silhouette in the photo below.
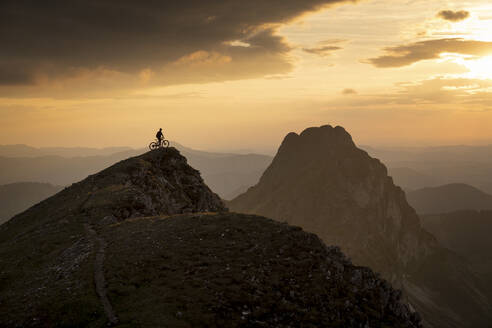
(159, 136)
(160, 142)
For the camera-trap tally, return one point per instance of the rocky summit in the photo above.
(158, 182)
(322, 182)
(145, 243)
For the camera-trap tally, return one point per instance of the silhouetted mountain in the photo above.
(122, 248)
(449, 198)
(17, 197)
(223, 172)
(468, 233)
(322, 182)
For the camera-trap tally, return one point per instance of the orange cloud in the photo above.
(431, 49)
(203, 57)
(322, 51)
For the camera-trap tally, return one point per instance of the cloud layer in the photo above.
(349, 91)
(161, 42)
(453, 16)
(322, 51)
(431, 49)
(325, 48)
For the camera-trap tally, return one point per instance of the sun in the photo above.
(480, 68)
(476, 28)
(477, 67)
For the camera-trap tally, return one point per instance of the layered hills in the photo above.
(21, 150)
(145, 243)
(468, 233)
(449, 198)
(223, 172)
(322, 182)
(16, 197)
(421, 167)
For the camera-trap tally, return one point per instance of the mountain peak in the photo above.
(318, 137)
(321, 181)
(159, 182)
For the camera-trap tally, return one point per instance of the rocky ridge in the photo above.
(146, 243)
(241, 271)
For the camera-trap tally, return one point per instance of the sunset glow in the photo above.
(479, 68)
(399, 67)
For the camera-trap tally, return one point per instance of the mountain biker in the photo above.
(159, 136)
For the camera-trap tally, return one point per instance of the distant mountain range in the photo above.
(225, 173)
(17, 197)
(449, 154)
(229, 174)
(28, 151)
(415, 168)
(410, 179)
(449, 198)
(322, 182)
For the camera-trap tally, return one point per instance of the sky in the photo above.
(239, 75)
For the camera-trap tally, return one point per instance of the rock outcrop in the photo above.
(322, 182)
(145, 243)
(157, 183)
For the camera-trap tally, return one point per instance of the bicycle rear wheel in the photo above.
(153, 145)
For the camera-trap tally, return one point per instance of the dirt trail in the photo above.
(99, 279)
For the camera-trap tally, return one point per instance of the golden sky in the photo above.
(226, 75)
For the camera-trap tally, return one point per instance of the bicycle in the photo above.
(156, 144)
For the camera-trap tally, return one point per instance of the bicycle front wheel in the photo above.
(153, 145)
(165, 143)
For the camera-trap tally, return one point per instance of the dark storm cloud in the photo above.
(50, 39)
(453, 16)
(15, 76)
(431, 49)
